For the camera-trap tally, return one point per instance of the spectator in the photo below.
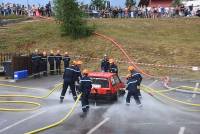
(17, 9)
(48, 9)
(34, 9)
(14, 9)
(155, 12)
(1, 10)
(126, 12)
(5, 9)
(120, 12)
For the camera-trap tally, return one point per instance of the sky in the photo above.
(43, 2)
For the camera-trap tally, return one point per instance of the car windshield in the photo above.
(100, 81)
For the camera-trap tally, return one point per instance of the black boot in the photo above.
(75, 98)
(83, 115)
(61, 101)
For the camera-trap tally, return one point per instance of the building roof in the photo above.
(160, 3)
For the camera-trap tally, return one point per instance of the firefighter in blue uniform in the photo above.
(105, 65)
(36, 59)
(66, 60)
(78, 74)
(113, 66)
(69, 76)
(51, 59)
(85, 89)
(138, 76)
(44, 63)
(78, 68)
(132, 84)
(58, 59)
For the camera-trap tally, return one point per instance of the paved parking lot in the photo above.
(156, 117)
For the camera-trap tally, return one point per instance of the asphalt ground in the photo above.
(157, 116)
(179, 95)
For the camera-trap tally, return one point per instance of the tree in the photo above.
(130, 3)
(71, 19)
(100, 4)
(176, 2)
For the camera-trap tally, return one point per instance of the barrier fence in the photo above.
(9, 56)
(12, 62)
(194, 68)
(5, 57)
(23, 61)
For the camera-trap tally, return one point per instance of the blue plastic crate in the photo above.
(20, 74)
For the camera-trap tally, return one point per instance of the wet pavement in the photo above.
(155, 117)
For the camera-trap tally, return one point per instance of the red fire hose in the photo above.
(119, 46)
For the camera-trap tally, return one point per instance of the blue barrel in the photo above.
(20, 74)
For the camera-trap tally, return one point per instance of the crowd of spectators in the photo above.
(113, 12)
(18, 9)
(144, 12)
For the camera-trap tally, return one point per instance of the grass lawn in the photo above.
(12, 17)
(166, 41)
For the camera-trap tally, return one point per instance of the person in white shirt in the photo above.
(34, 10)
(166, 11)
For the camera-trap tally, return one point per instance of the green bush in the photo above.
(71, 19)
(176, 2)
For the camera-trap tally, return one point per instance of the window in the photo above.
(116, 79)
(113, 81)
(100, 81)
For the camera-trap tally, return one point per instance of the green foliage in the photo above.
(177, 2)
(130, 3)
(71, 19)
(100, 4)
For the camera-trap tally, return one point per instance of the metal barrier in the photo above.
(22, 63)
(17, 61)
(5, 57)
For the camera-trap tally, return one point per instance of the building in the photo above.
(168, 3)
(156, 3)
(194, 3)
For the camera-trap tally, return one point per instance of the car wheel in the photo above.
(122, 92)
(115, 96)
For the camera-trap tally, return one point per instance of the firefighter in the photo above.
(44, 63)
(78, 68)
(69, 77)
(66, 60)
(132, 84)
(113, 66)
(58, 59)
(138, 76)
(36, 59)
(105, 65)
(85, 89)
(51, 59)
(78, 74)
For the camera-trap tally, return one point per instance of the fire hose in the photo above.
(151, 90)
(35, 104)
(58, 122)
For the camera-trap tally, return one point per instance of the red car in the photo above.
(106, 85)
